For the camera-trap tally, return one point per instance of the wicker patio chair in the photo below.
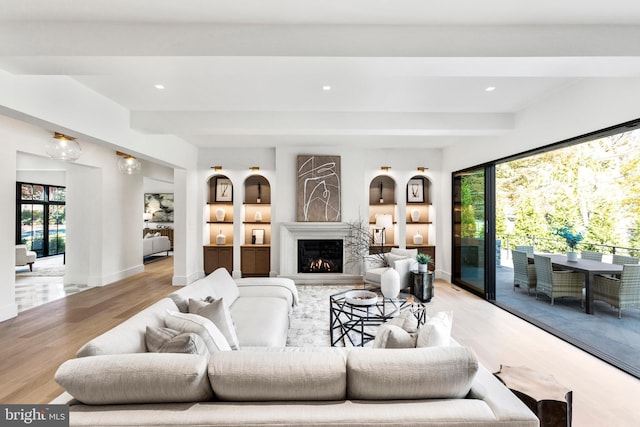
(595, 256)
(526, 249)
(524, 274)
(556, 284)
(623, 259)
(620, 293)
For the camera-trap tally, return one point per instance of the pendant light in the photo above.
(63, 147)
(128, 164)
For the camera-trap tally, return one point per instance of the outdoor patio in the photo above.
(602, 334)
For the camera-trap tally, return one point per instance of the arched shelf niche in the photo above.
(219, 251)
(382, 202)
(418, 215)
(255, 252)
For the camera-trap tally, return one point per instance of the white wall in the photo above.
(358, 167)
(103, 209)
(591, 105)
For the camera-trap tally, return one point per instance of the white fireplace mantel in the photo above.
(291, 232)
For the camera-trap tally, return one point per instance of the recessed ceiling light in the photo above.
(490, 88)
(159, 86)
(326, 88)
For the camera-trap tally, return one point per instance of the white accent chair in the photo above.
(25, 257)
(401, 260)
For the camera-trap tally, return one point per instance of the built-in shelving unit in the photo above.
(219, 252)
(255, 252)
(382, 201)
(418, 216)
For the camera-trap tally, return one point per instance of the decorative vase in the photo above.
(415, 215)
(258, 216)
(390, 283)
(417, 238)
(221, 238)
(422, 268)
(572, 256)
(220, 214)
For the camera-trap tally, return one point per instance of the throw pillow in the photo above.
(188, 343)
(181, 302)
(392, 336)
(155, 338)
(188, 322)
(219, 314)
(436, 331)
(406, 320)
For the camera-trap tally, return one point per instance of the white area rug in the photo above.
(310, 319)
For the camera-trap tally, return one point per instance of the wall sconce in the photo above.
(128, 164)
(381, 198)
(385, 168)
(63, 147)
(421, 169)
(254, 168)
(216, 168)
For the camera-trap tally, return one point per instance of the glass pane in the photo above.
(26, 226)
(37, 244)
(27, 192)
(469, 229)
(57, 194)
(38, 192)
(57, 230)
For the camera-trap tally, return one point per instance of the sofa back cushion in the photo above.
(136, 378)
(417, 373)
(129, 336)
(218, 284)
(266, 376)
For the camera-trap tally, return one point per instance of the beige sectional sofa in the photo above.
(115, 381)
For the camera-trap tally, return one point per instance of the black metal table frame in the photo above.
(346, 318)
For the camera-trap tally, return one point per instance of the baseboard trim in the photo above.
(114, 277)
(8, 311)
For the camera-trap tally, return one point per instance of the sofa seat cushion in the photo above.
(261, 321)
(271, 376)
(129, 336)
(416, 373)
(136, 378)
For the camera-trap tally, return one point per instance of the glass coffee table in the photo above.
(355, 321)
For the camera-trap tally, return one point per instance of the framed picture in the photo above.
(257, 236)
(415, 191)
(224, 190)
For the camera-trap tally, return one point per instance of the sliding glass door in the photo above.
(473, 261)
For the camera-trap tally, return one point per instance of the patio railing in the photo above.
(545, 244)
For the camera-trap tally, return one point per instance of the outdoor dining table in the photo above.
(586, 266)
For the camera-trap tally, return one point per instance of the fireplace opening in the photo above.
(320, 256)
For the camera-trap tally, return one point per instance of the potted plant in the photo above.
(572, 240)
(423, 262)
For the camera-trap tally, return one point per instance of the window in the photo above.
(41, 218)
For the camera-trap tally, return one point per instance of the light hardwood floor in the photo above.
(34, 344)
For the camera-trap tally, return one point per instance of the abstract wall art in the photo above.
(318, 189)
(160, 206)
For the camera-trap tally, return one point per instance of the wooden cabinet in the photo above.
(255, 260)
(216, 256)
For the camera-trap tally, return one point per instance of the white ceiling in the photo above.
(403, 73)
